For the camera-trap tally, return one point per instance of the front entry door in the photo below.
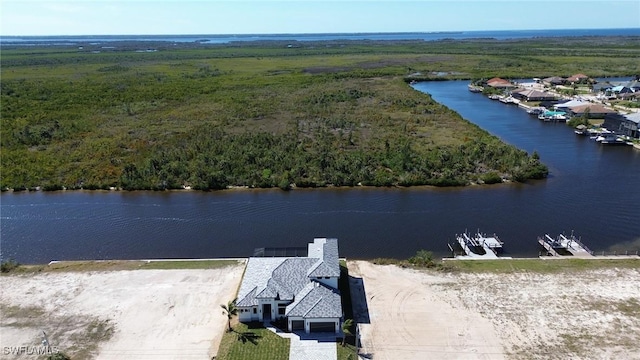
(266, 312)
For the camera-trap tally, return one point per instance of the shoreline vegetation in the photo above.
(422, 260)
(268, 114)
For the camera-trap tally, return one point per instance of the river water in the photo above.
(592, 190)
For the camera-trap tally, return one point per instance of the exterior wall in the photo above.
(245, 314)
(629, 128)
(331, 282)
(274, 308)
(279, 304)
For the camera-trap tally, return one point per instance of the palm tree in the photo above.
(346, 329)
(230, 310)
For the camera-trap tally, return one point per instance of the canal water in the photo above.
(592, 190)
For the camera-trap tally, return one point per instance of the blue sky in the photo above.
(129, 17)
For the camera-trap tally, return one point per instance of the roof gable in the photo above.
(316, 301)
(577, 77)
(256, 277)
(326, 250)
(291, 277)
(593, 108)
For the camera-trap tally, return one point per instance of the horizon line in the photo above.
(325, 33)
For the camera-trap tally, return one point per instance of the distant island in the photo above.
(264, 114)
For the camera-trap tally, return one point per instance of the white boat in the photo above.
(507, 100)
(610, 139)
(536, 110)
(595, 133)
(553, 116)
(474, 88)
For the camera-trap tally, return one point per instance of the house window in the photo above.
(281, 311)
(255, 311)
(326, 277)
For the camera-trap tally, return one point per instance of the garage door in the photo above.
(323, 327)
(297, 325)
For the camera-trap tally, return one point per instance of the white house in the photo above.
(303, 290)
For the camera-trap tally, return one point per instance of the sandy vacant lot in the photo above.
(142, 314)
(407, 314)
(428, 315)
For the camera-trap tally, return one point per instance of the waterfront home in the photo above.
(634, 85)
(594, 110)
(303, 291)
(601, 87)
(577, 78)
(629, 96)
(553, 81)
(619, 90)
(500, 83)
(532, 95)
(568, 104)
(630, 125)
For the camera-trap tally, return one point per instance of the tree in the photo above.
(230, 310)
(346, 329)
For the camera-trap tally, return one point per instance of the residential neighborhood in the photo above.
(592, 107)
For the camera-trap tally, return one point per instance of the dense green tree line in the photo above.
(260, 115)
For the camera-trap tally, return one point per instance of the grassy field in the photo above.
(115, 265)
(541, 265)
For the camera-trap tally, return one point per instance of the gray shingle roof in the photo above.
(288, 278)
(316, 301)
(327, 251)
(634, 117)
(256, 275)
(293, 279)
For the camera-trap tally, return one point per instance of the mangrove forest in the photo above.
(163, 115)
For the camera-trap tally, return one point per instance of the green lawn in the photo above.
(252, 342)
(114, 265)
(540, 265)
(347, 352)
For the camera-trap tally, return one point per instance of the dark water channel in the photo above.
(593, 190)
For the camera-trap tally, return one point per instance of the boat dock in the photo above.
(565, 246)
(479, 247)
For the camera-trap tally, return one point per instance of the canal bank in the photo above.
(591, 190)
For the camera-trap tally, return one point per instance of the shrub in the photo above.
(491, 178)
(8, 265)
(422, 258)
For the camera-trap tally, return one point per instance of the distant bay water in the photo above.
(222, 39)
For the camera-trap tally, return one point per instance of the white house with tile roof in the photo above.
(303, 290)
